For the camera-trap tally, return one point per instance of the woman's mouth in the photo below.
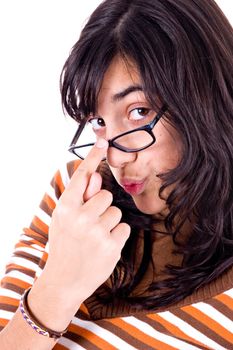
(133, 187)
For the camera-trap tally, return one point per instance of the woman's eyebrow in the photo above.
(120, 95)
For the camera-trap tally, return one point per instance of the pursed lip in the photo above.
(130, 182)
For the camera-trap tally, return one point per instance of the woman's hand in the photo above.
(85, 236)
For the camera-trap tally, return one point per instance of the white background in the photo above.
(35, 40)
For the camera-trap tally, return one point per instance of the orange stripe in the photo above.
(84, 309)
(225, 299)
(40, 224)
(9, 301)
(18, 267)
(30, 233)
(91, 337)
(49, 201)
(24, 245)
(58, 181)
(3, 322)
(141, 336)
(174, 329)
(209, 322)
(44, 258)
(16, 282)
(76, 164)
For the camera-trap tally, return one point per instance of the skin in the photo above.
(118, 115)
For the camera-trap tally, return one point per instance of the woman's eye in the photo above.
(97, 123)
(140, 113)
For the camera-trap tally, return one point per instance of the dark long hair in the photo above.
(183, 51)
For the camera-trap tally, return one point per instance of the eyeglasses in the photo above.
(130, 141)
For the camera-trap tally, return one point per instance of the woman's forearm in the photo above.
(51, 307)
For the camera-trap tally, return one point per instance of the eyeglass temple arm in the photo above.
(78, 133)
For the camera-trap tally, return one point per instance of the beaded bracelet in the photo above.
(33, 322)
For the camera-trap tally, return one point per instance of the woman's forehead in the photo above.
(119, 73)
(120, 79)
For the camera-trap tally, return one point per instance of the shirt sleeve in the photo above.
(31, 251)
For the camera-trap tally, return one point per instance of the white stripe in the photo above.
(190, 331)
(229, 292)
(30, 250)
(104, 334)
(70, 344)
(64, 174)
(21, 276)
(215, 315)
(23, 262)
(149, 330)
(7, 315)
(51, 193)
(9, 293)
(37, 247)
(43, 216)
(23, 237)
(46, 249)
(38, 272)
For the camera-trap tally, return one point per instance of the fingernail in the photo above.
(101, 143)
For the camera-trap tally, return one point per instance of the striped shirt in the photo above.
(203, 320)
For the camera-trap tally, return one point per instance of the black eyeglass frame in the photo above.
(112, 142)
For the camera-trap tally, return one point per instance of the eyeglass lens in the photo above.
(132, 141)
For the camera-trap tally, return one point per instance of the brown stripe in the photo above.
(72, 166)
(121, 333)
(142, 337)
(27, 272)
(30, 243)
(27, 256)
(89, 338)
(214, 325)
(35, 234)
(44, 206)
(13, 287)
(12, 280)
(82, 315)
(204, 329)
(154, 324)
(78, 339)
(172, 330)
(220, 307)
(50, 202)
(226, 300)
(57, 183)
(40, 225)
(44, 236)
(56, 187)
(7, 307)
(43, 261)
(39, 240)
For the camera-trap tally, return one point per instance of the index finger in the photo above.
(88, 166)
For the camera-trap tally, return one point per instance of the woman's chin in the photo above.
(147, 206)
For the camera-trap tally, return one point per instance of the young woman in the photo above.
(140, 231)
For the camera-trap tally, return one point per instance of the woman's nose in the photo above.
(118, 159)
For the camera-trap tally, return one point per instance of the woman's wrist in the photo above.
(52, 306)
(30, 318)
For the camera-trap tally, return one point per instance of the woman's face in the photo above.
(135, 172)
